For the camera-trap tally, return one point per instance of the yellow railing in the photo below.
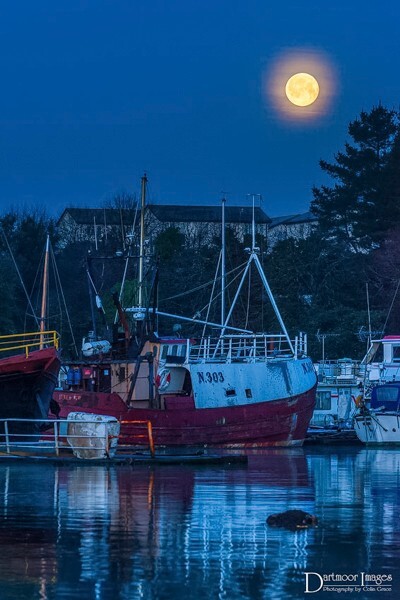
(26, 342)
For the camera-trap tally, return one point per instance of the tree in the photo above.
(24, 234)
(355, 209)
(384, 271)
(169, 243)
(320, 288)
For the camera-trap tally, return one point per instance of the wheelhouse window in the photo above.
(323, 401)
(396, 353)
(121, 374)
(386, 396)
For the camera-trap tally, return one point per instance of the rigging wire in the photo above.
(212, 293)
(200, 287)
(127, 260)
(60, 289)
(20, 277)
(226, 289)
(391, 306)
(37, 285)
(248, 300)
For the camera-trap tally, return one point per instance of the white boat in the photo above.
(345, 385)
(337, 393)
(381, 364)
(379, 423)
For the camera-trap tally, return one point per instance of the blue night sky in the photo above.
(95, 92)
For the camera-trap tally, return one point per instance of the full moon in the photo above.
(302, 89)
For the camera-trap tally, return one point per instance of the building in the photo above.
(94, 224)
(297, 227)
(199, 224)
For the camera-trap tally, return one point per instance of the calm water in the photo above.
(199, 532)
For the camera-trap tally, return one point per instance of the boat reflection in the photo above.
(89, 531)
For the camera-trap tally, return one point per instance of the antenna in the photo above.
(369, 315)
(321, 338)
(95, 232)
(253, 222)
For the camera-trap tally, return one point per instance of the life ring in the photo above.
(163, 380)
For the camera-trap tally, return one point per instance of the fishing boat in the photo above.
(240, 389)
(29, 368)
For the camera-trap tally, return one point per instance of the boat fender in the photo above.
(163, 380)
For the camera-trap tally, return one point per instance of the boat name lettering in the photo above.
(208, 377)
(308, 367)
(69, 397)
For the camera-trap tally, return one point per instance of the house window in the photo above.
(248, 393)
(121, 374)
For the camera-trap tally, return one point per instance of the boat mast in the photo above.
(223, 263)
(91, 295)
(44, 293)
(253, 226)
(141, 247)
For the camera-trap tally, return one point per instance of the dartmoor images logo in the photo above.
(347, 582)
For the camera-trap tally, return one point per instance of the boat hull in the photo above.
(281, 422)
(378, 428)
(27, 384)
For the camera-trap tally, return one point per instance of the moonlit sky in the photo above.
(95, 92)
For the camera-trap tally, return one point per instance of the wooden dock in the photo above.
(124, 458)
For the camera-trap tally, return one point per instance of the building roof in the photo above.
(172, 213)
(180, 213)
(307, 217)
(86, 216)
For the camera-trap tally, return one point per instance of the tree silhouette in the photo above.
(355, 209)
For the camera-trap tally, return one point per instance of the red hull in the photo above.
(37, 361)
(276, 423)
(26, 387)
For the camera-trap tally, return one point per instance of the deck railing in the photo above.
(246, 348)
(53, 440)
(331, 371)
(26, 342)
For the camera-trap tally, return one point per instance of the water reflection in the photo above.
(135, 532)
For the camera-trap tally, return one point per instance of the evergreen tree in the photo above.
(355, 209)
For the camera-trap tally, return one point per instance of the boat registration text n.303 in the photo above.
(208, 377)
